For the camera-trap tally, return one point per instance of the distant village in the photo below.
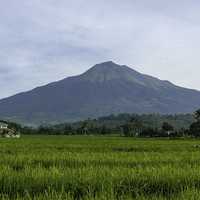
(7, 132)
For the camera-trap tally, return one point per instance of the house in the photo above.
(6, 132)
(3, 126)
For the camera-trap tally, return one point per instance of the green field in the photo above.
(61, 167)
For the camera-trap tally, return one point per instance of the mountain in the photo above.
(106, 88)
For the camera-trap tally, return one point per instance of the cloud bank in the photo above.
(44, 41)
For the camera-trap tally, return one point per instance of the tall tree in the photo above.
(197, 115)
(195, 127)
(167, 128)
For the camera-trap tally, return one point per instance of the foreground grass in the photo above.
(59, 167)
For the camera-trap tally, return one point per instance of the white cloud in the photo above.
(43, 41)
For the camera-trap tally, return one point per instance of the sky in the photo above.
(48, 40)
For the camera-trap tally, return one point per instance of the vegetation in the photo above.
(131, 125)
(102, 166)
(94, 167)
(195, 127)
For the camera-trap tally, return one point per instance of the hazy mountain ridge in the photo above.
(106, 88)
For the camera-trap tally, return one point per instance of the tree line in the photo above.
(128, 125)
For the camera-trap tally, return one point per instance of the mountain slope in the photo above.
(106, 88)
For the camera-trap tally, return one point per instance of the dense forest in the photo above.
(131, 125)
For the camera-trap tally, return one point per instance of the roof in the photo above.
(3, 124)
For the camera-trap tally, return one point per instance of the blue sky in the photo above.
(44, 41)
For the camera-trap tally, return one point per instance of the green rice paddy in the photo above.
(99, 168)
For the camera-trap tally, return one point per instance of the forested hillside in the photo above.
(115, 124)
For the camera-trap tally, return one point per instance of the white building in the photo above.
(6, 132)
(3, 125)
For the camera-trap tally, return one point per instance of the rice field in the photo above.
(99, 168)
